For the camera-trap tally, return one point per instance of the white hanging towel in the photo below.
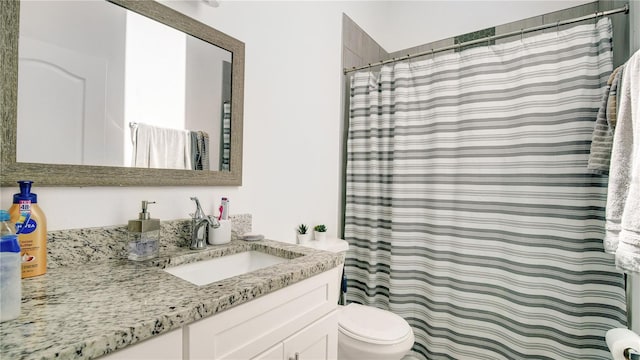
(161, 148)
(623, 198)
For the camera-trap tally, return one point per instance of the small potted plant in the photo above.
(320, 232)
(303, 235)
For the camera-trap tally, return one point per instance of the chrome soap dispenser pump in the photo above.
(144, 235)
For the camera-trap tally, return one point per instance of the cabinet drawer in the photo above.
(248, 330)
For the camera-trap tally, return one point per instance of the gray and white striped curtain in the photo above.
(470, 211)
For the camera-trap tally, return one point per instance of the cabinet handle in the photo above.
(297, 357)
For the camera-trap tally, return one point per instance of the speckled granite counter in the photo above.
(85, 311)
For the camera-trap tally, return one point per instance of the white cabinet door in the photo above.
(253, 329)
(162, 347)
(318, 341)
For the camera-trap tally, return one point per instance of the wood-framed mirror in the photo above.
(17, 161)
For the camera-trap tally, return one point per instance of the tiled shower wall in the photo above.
(358, 48)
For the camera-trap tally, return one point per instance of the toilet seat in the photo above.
(373, 325)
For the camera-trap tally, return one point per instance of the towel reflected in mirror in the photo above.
(165, 148)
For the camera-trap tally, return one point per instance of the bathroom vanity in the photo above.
(299, 319)
(119, 309)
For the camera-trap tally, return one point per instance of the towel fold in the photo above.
(623, 197)
(602, 138)
(203, 148)
(200, 150)
(161, 148)
(612, 103)
(195, 154)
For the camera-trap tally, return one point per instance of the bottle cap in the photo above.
(25, 192)
(4, 215)
(9, 243)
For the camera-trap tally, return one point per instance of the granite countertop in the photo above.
(82, 312)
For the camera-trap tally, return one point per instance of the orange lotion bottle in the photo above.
(31, 228)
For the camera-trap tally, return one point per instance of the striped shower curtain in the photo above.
(470, 211)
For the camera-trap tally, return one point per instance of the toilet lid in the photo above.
(372, 324)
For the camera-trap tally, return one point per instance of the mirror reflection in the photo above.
(102, 85)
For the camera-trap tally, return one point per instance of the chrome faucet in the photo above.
(198, 233)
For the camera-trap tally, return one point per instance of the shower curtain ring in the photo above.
(521, 34)
(557, 27)
(432, 56)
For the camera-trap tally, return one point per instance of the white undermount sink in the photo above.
(208, 271)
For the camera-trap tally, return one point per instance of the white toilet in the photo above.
(366, 332)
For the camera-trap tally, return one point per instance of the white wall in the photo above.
(292, 113)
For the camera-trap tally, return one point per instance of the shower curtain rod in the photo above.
(521, 32)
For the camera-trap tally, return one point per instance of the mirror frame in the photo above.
(89, 175)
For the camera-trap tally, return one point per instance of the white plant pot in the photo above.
(320, 236)
(303, 238)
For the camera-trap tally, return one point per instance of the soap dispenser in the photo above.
(144, 235)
